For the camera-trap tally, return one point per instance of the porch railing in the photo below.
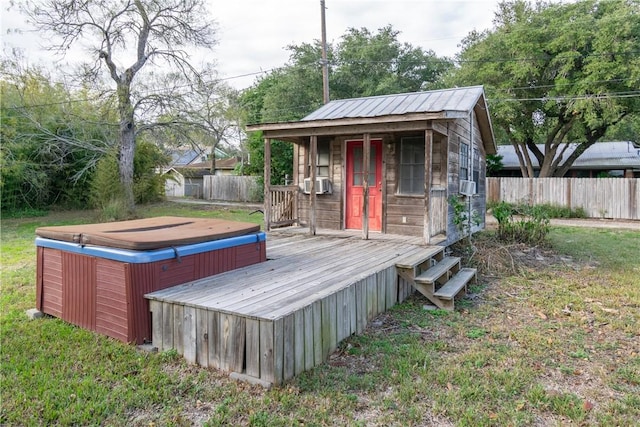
(284, 205)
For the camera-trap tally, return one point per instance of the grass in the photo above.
(550, 337)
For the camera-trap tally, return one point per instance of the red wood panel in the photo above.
(248, 255)
(51, 297)
(107, 296)
(112, 317)
(79, 289)
(143, 278)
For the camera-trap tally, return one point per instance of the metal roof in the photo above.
(605, 155)
(456, 99)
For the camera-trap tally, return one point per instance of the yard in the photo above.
(550, 336)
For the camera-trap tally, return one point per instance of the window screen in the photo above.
(411, 166)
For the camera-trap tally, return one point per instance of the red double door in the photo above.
(355, 185)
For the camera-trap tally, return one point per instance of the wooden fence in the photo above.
(614, 198)
(284, 205)
(231, 188)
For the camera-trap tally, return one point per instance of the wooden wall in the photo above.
(275, 350)
(459, 132)
(402, 214)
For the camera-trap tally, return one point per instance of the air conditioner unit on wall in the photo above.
(323, 185)
(467, 188)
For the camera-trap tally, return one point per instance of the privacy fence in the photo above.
(232, 188)
(615, 198)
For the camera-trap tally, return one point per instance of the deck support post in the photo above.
(267, 184)
(313, 157)
(428, 149)
(366, 159)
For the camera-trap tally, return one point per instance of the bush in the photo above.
(531, 227)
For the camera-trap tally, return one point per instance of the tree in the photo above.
(361, 64)
(556, 74)
(52, 138)
(215, 109)
(137, 32)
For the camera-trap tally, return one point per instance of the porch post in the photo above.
(366, 159)
(267, 184)
(428, 212)
(313, 154)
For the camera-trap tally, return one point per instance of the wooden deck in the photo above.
(273, 320)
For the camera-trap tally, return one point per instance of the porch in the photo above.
(271, 321)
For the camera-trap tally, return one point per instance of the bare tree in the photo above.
(138, 32)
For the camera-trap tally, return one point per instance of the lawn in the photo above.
(549, 336)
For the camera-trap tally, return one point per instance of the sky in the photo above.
(253, 35)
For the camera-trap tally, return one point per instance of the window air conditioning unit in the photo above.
(467, 188)
(323, 186)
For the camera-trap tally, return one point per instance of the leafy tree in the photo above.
(362, 63)
(137, 32)
(556, 74)
(52, 139)
(367, 64)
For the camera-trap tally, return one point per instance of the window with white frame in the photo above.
(411, 170)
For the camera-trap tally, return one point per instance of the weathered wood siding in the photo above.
(231, 188)
(614, 198)
(329, 207)
(402, 214)
(459, 132)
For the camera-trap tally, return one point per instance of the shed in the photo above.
(386, 164)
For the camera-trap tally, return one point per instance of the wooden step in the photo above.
(436, 272)
(453, 286)
(413, 261)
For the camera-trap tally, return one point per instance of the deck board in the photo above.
(295, 274)
(273, 320)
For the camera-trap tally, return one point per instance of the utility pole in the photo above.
(325, 62)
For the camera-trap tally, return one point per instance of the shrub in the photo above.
(531, 227)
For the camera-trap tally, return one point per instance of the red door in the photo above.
(355, 185)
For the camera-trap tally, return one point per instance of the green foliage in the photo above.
(530, 227)
(106, 189)
(557, 73)
(281, 159)
(148, 184)
(494, 164)
(362, 63)
(462, 218)
(549, 210)
(51, 139)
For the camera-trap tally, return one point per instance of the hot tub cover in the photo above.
(149, 233)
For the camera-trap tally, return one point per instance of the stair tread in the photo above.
(450, 289)
(435, 272)
(416, 259)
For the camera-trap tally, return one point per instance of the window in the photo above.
(464, 161)
(322, 161)
(411, 166)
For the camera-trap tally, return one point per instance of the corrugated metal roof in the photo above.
(616, 154)
(456, 99)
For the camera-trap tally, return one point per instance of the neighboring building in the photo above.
(187, 169)
(613, 159)
(422, 146)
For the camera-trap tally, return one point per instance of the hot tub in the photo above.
(96, 275)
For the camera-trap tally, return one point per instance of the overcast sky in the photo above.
(253, 34)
